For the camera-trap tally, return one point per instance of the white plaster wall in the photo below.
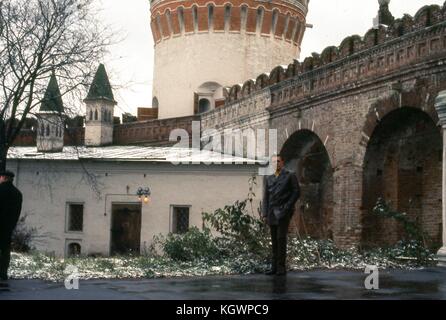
(97, 132)
(51, 142)
(48, 186)
(185, 62)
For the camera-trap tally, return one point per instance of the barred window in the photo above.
(180, 219)
(75, 217)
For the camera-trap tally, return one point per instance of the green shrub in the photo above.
(239, 232)
(192, 245)
(415, 243)
(23, 236)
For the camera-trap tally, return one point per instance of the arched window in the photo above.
(169, 22)
(181, 18)
(158, 23)
(211, 17)
(48, 131)
(96, 114)
(259, 19)
(227, 16)
(287, 24)
(57, 131)
(244, 17)
(155, 103)
(91, 115)
(74, 249)
(42, 130)
(204, 105)
(274, 21)
(195, 17)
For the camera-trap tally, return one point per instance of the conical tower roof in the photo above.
(52, 100)
(101, 89)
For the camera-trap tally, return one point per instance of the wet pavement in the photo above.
(324, 284)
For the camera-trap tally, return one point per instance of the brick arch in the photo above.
(286, 132)
(306, 155)
(402, 165)
(417, 98)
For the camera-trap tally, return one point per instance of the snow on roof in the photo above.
(130, 153)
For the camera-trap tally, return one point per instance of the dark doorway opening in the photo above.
(306, 155)
(403, 166)
(126, 229)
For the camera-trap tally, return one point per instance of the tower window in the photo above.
(204, 105)
(274, 21)
(48, 131)
(259, 19)
(158, 23)
(195, 17)
(96, 114)
(155, 103)
(227, 17)
(211, 17)
(42, 130)
(169, 21)
(181, 19)
(91, 115)
(180, 219)
(244, 17)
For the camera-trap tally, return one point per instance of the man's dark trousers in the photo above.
(279, 235)
(5, 256)
(280, 193)
(10, 208)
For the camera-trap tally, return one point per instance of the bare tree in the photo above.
(37, 38)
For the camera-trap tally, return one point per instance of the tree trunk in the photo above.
(3, 153)
(3, 145)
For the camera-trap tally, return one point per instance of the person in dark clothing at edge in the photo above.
(10, 208)
(280, 194)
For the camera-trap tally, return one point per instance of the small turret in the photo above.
(51, 117)
(100, 108)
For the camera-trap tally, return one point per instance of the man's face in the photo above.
(279, 163)
(3, 179)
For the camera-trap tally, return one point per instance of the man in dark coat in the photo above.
(280, 194)
(10, 208)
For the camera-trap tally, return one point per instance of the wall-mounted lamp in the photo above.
(144, 194)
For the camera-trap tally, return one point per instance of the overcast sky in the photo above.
(130, 63)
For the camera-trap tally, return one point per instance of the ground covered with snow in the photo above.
(302, 255)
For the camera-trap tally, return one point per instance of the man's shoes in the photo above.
(270, 272)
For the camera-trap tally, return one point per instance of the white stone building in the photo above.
(86, 199)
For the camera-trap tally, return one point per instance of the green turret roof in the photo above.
(100, 89)
(52, 100)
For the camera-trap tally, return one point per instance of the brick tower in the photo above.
(201, 46)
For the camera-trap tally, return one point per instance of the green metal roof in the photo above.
(52, 100)
(100, 89)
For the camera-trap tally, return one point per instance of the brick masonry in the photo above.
(345, 99)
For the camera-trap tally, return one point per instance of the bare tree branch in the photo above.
(38, 37)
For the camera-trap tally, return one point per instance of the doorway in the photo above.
(126, 229)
